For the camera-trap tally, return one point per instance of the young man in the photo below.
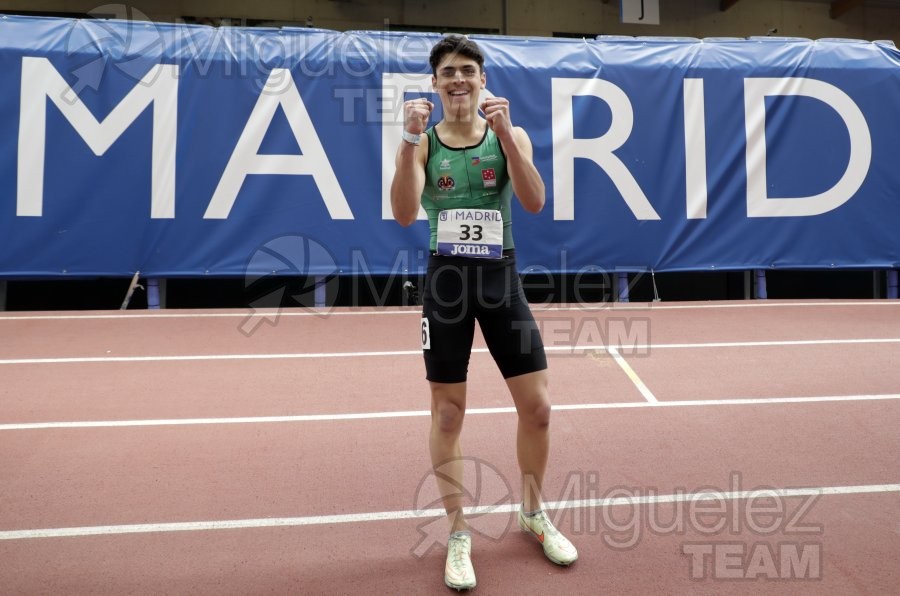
(464, 171)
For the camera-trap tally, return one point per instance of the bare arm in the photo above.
(408, 182)
(526, 180)
(409, 177)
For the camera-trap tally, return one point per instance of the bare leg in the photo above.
(448, 407)
(530, 392)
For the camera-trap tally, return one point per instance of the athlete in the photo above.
(464, 171)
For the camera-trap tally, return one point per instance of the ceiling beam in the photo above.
(726, 4)
(840, 7)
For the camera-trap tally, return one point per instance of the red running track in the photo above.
(130, 441)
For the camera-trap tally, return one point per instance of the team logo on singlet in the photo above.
(477, 159)
(489, 177)
(446, 183)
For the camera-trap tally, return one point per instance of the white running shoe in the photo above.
(556, 546)
(458, 572)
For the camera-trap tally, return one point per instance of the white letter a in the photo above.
(280, 90)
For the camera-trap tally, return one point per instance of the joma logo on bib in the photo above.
(470, 250)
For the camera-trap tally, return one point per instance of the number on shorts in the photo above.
(426, 335)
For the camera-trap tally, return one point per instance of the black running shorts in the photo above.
(459, 291)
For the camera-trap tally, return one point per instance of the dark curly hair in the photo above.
(455, 44)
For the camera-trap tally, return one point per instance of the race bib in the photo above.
(476, 233)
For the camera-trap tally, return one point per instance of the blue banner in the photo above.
(180, 150)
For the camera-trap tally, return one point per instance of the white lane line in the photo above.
(355, 518)
(211, 357)
(651, 306)
(753, 344)
(745, 401)
(424, 413)
(643, 349)
(262, 314)
(641, 386)
(612, 306)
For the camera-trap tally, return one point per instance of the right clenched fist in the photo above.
(415, 115)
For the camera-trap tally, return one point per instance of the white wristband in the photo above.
(412, 139)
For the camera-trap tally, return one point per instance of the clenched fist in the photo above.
(416, 113)
(496, 112)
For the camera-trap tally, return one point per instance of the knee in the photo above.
(537, 415)
(447, 416)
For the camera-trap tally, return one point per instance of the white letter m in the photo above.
(41, 80)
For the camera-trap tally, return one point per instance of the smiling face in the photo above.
(458, 81)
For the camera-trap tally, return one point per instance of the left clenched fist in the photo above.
(496, 112)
